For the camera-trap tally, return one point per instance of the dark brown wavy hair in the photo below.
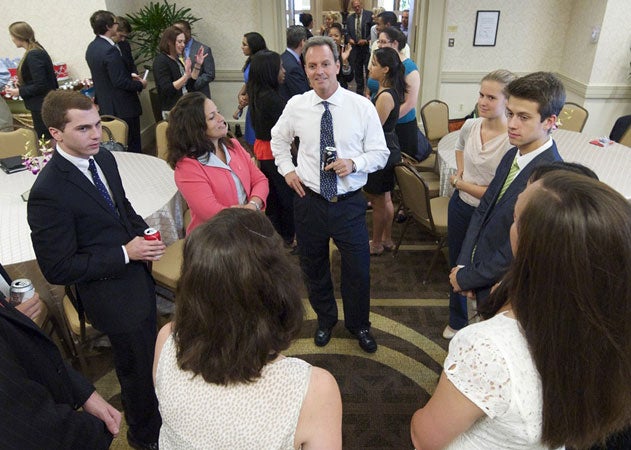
(570, 289)
(186, 133)
(238, 299)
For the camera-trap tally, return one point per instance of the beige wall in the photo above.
(532, 35)
(541, 35)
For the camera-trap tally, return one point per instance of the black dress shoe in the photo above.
(139, 445)
(366, 341)
(322, 336)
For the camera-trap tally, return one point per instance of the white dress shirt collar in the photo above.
(107, 39)
(524, 160)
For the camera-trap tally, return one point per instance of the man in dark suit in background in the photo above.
(207, 72)
(534, 103)
(122, 35)
(295, 78)
(85, 232)
(41, 393)
(116, 90)
(358, 25)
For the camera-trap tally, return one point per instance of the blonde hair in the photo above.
(501, 76)
(335, 15)
(24, 32)
(378, 10)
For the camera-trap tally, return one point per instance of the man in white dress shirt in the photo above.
(330, 203)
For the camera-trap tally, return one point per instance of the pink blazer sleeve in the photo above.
(207, 190)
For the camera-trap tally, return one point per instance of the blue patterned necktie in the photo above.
(100, 186)
(328, 180)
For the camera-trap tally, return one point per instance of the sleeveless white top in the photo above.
(200, 415)
(490, 364)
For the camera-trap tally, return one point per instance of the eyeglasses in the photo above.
(381, 42)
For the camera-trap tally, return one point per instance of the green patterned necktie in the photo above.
(509, 179)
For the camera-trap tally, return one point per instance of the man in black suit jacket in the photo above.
(534, 103)
(116, 90)
(207, 72)
(295, 78)
(41, 393)
(85, 232)
(359, 38)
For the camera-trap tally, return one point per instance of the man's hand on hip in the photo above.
(294, 182)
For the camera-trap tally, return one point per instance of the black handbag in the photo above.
(111, 144)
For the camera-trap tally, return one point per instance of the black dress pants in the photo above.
(318, 220)
(133, 359)
(133, 134)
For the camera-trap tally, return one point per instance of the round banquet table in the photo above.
(148, 183)
(612, 164)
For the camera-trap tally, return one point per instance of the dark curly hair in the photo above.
(186, 133)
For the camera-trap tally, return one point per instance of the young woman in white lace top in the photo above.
(552, 366)
(220, 379)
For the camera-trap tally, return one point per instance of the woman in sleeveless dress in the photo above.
(251, 44)
(550, 366)
(220, 378)
(388, 70)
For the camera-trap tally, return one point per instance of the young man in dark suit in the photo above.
(534, 103)
(43, 393)
(85, 232)
(295, 78)
(116, 90)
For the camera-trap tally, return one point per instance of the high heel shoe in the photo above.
(376, 250)
(388, 245)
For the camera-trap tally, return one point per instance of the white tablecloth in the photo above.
(612, 164)
(149, 186)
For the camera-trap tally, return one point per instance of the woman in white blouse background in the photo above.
(551, 366)
(481, 145)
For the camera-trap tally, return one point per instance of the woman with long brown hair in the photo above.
(36, 74)
(220, 376)
(387, 69)
(175, 78)
(551, 365)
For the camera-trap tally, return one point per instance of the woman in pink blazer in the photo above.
(211, 171)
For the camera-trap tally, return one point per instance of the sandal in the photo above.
(388, 246)
(376, 250)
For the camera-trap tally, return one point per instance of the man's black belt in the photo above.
(337, 198)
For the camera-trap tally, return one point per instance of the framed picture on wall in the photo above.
(486, 28)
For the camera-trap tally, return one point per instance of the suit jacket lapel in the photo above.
(74, 176)
(111, 173)
(522, 178)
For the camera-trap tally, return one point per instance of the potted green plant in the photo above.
(148, 24)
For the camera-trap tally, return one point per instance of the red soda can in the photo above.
(151, 234)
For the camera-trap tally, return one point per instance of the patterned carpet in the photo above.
(379, 391)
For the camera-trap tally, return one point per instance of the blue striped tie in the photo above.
(100, 186)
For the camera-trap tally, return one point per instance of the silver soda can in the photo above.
(330, 156)
(21, 290)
